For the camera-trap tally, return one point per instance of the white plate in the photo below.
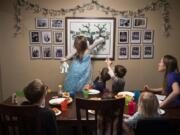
(161, 111)
(93, 91)
(56, 101)
(58, 113)
(124, 93)
(91, 111)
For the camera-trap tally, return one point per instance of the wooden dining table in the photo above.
(67, 119)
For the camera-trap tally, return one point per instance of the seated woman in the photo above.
(171, 83)
(35, 93)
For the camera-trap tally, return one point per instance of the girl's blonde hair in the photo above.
(148, 105)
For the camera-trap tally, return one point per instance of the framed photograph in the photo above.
(123, 36)
(42, 23)
(35, 52)
(58, 37)
(57, 23)
(140, 22)
(92, 29)
(135, 37)
(148, 51)
(58, 52)
(135, 52)
(148, 36)
(46, 37)
(125, 23)
(34, 37)
(123, 52)
(46, 52)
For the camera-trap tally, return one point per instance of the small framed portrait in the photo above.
(135, 52)
(35, 52)
(125, 23)
(140, 22)
(34, 37)
(58, 37)
(42, 23)
(46, 52)
(123, 52)
(123, 36)
(148, 36)
(46, 37)
(58, 52)
(135, 37)
(148, 51)
(57, 23)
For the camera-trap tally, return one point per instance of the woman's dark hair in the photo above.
(120, 71)
(35, 90)
(104, 75)
(171, 65)
(80, 45)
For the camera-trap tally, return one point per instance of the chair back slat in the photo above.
(20, 120)
(108, 111)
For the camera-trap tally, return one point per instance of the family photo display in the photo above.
(135, 41)
(47, 40)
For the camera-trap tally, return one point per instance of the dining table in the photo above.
(67, 120)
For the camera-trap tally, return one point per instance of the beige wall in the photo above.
(17, 69)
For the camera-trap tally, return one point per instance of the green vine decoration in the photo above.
(162, 5)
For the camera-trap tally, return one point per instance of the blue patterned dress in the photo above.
(79, 75)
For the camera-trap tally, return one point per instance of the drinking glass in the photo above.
(64, 105)
(136, 95)
(85, 93)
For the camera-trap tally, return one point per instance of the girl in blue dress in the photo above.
(80, 70)
(171, 82)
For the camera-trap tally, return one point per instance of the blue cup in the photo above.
(137, 93)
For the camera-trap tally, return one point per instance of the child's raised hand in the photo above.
(108, 62)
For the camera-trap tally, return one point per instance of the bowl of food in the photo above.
(66, 94)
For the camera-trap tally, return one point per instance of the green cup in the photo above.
(85, 93)
(19, 93)
(127, 100)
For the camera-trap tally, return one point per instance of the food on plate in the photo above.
(55, 110)
(87, 87)
(119, 96)
(66, 94)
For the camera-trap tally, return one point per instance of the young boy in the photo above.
(100, 81)
(117, 76)
(35, 93)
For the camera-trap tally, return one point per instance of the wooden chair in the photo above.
(108, 113)
(158, 126)
(19, 120)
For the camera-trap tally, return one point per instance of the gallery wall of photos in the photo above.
(47, 39)
(135, 41)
